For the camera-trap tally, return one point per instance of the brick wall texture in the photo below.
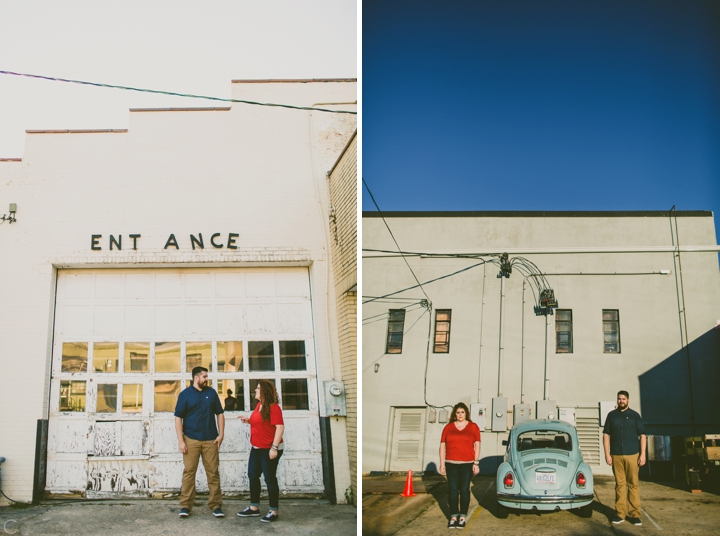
(343, 228)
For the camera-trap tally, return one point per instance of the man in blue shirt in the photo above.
(198, 437)
(624, 442)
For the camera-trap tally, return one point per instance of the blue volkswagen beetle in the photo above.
(544, 470)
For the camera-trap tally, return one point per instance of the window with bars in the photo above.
(611, 331)
(442, 331)
(396, 326)
(563, 331)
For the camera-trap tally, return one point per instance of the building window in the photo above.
(294, 392)
(262, 356)
(292, 355)
(563, 331)
(442, 331)
(611, 331)
(396, 325)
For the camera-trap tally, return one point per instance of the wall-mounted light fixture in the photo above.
(11, 218)
(377, 367)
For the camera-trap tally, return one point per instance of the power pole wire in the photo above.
(174, 94)
(398, 246)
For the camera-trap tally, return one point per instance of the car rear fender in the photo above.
(589, 485)
(503, 470)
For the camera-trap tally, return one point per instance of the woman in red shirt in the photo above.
(266, 432)
(460, 460)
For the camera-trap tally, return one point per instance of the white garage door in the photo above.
(125, 342)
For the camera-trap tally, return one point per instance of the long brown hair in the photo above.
(268, 397)
(458, 406)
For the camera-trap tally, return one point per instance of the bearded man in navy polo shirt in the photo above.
(624, 442)
(199, 436)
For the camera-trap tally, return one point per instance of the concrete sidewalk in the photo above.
(667, 508)
(154, 517)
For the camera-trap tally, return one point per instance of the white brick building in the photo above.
(196, 236)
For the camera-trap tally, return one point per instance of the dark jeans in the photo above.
(458, 476)
(260, 463)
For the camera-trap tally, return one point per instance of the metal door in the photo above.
(408, 439)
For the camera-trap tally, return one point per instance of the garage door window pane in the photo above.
(253, 384)
(167, 357)
(294, 394)
(262, 355)
(72, 396)
(198, 354)
(106, 356)
(74, 356)
(132, 398)
(107, 398)
(292, 355)
(136, 356)
(229, 356)
(232, 395)
(166, 393)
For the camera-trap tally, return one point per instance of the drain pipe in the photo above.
(502, 345)
(482, 320)
(546, 382)
(522, 348)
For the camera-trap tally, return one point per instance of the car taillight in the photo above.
(581, 480)
(509, 481)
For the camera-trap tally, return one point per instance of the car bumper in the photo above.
(544, 502)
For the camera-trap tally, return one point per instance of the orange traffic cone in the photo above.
(409, 486)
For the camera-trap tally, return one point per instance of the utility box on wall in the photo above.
(499, 414)
(335, 405)
(567, 415)
(606, 406)
(546, 409)
(521, 412)
(477, 415)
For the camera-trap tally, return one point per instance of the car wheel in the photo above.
(586, 511)
(502, 511)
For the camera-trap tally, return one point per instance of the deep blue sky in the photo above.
(541, 105)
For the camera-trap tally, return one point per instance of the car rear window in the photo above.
(544, 439)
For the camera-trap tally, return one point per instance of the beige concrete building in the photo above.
(638, 308)
(196, 236)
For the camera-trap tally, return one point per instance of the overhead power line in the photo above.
(174, 94)
(398, 245)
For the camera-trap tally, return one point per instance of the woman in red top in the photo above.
(460, 460)
(266, 432)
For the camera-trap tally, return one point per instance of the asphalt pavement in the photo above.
(667, 508)
(154, 517)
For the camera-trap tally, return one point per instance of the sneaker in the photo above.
(270, 517)
(635, 521)
(184, 512)
(452, 522)
(617, 520)
(249, 512)
(460, 524)
(218, 512)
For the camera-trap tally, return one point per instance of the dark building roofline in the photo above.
(294, 81)
(542, 214)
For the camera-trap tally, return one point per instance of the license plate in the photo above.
(544, 478)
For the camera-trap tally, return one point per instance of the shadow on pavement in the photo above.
(437, 488)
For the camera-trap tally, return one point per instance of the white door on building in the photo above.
(408, 438)
(124, 344)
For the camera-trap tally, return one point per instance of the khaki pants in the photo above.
(211, 460)
(626, 469)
